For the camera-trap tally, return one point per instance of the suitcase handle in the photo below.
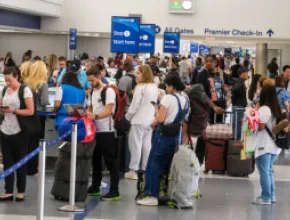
(215, 144)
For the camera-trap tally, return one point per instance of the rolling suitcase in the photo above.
(217, 137)
(61, 185)
(236, 166)
(215, 158)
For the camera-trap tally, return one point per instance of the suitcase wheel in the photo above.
(205, 171)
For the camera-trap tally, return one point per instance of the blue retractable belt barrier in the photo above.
(45, 113)
(29, 156)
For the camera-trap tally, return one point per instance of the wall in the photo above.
(38, 7)
(94, 46)
(41, 45)
(258, 15)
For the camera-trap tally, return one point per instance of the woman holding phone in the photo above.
(141, 113)
(14, 141)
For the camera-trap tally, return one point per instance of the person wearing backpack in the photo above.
(174, 108)
(17, 103)
(266, 150)
(102, 109)
(127, 82)
(283, 94)
(141, 113)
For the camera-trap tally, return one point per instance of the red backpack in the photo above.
(121, 102)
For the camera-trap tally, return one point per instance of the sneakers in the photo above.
(94, 191)
(260, 201)
(273, 200)
(131, 175)
(148, 201)
(111, 196)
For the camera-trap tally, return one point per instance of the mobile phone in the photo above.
(4, 107)
(153, 103)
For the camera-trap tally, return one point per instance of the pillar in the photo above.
(262, 59)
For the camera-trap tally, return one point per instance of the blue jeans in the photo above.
(237, 117)
(265, 166)
(159, 161)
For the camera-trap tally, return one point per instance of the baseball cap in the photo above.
(243, 69)
(75, 65)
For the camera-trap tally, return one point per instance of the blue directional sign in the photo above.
(125, 34)
(171, 42)
(193, 47)
(147, 38)
(73, 39)
(157, 29)
(270, 32)
(203, 49)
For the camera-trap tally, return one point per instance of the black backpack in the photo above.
(198, 117)
(30, 124)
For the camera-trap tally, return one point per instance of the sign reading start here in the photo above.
(125, 34)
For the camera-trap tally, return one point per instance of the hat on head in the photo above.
(242, 70)
(75, 65)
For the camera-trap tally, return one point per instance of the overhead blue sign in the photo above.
(73, 39)
(147, 38)
(125, 34)
(203, 49)
(193, 47)
(171, 42)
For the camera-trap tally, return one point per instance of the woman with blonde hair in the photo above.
(52, 73)
(36, 81)
(25, 69)
(141, 113)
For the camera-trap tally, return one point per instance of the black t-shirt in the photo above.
(203, 76)
(273, 68)
(239, 97)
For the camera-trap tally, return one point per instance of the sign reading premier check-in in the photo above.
(171, 42)
(125, 34)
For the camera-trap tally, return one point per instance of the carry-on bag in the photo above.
(215, 157)
(61, 185)
(184, 175)
(220, 131)
(238, 162)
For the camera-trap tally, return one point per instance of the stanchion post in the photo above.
(72, 207)
(41, 180)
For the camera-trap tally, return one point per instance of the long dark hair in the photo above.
(268, 97)
(70, 78)
(253, 87)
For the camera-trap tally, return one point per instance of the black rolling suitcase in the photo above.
(235, 165)
(61, 185)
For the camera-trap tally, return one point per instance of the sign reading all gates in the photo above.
(193, 47)
(73, 39)
(147, 38)
(125, 34)
(171, 42)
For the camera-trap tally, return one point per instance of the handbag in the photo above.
(123, 126)
(29, 124)
(173, 129)
(282, 139)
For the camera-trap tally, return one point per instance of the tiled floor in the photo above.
(223, 198)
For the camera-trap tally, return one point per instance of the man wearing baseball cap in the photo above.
(239, 101)
(75, 67)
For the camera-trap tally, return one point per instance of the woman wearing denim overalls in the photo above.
(173, 109)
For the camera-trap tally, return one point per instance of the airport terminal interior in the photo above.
(165, 33)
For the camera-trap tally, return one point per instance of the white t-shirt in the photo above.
(170, 102)
(58, 94)
(10, 125)
(156, 80)
(264, 143)
(105, 124)
(141, 111)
